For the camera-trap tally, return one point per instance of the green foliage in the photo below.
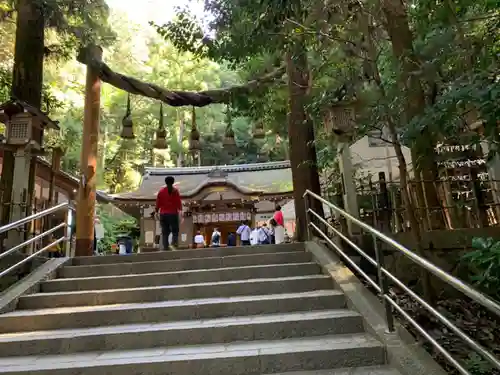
(115, 227)
(476, 365)
(142, 54)
(484, 263)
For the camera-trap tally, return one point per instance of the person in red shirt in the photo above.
(169, 206)
(279, 229)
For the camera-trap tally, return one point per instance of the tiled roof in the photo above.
(259, 178)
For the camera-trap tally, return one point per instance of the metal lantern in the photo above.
(161, 134)
(194, 136)
(263, 154)
(258, 131)
(127, 124)
(229, 141)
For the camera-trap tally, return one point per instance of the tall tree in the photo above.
(242, 29)
(75, 22)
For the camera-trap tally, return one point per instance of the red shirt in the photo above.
(167, 203)
(278, 216)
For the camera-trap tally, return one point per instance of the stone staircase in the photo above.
(229, 311)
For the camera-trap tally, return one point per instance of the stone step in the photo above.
(181, 277)
(168, 311)
(176, 292)
(196, 332)
(372, 370)
(240, 358)
(183, 264)
(187, 254)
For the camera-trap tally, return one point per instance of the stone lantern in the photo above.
(24, 125)
(24, 138)
(340, 119)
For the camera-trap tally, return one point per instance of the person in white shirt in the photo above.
(254, 236)
(264, 235)
(215, 240)
(199, 240)
(244, 232)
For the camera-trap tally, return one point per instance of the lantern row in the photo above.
(194, 137)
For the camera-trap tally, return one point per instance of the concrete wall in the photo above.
(371, 156)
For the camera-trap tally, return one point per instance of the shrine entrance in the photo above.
(226, 222)
(224, 229)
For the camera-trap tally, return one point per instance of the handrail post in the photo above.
(383, 284)
(306, 206)
(69, 223)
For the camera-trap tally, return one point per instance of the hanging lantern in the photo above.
(229, 141)
(263, 155)
(194, 136)
(161, 134)
(258, 131)
(127, 124)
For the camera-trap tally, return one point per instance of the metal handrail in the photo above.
(8, 270)
(29, 219)
(67, 237)
(31, 240)
(384, 275)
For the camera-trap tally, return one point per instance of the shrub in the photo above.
(484, 265)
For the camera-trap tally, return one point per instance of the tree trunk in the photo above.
(415, 229)
(26, 85)
(301, 138)
(423, 154)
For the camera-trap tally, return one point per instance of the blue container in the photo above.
(127, 241)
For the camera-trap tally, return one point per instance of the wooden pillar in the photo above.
(54, 170)
(85, 208)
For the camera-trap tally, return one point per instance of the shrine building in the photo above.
(216, 196)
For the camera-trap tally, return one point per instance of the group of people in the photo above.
(274, 233)
(260, 235)
(169, 207)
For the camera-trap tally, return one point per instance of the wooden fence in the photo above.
(464, 203)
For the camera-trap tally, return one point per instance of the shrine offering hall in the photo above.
(212, 197)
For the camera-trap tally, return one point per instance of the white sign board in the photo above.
(149, 237)
(263, 217)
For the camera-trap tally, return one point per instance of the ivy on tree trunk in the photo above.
(423, 153)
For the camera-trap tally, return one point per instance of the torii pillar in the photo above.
(85, 208)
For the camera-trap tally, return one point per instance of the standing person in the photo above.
(272, 230)
(231, 239)
(169, 206)
(254, 236)
(279, 229)
(199, 240)
(244, 232)
(264, 235)
(215, 239)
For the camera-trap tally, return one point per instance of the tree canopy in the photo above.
(138, 52)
